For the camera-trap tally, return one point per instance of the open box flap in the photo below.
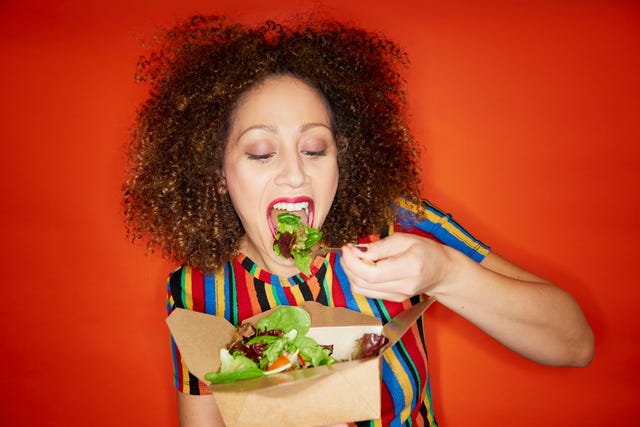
(199, 338)
(396, 327)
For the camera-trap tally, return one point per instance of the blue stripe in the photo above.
(209, 293)
(279, 295)
(176, 368)
(275, 280)
(291, 280)
(344, 285)
(395, 390)
(408, 370)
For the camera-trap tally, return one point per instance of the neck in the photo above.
(268, 261)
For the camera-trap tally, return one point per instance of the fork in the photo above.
(325, 250)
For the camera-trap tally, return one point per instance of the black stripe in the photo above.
(297, 279)
(322, 297)
(305, 290)
(425, 415)
(247, 263)
(384, 232)
(382, 311)
(321, 274)
(410, 371)
(175, 287)
(193, 384)
(420, 324)
(261, 294)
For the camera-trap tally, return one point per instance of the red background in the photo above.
(529, 114)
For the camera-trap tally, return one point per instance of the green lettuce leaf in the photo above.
(313, 353)
(286, 318)
(233, 368)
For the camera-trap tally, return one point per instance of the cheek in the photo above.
(235, 182)
(330, 178)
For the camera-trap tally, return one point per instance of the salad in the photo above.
(296, 240)
(276, 344)
(279, 343)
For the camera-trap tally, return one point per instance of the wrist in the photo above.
(453, 270)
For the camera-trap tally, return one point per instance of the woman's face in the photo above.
(280, 156)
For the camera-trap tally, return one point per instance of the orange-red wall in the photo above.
(529, 112)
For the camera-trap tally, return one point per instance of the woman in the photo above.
(244, 123)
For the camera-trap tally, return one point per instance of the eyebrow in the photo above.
(272, 129)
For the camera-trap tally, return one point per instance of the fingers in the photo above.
(394, 268)
(383, 248)
(384, 278)
(389, 293)
(376, 262)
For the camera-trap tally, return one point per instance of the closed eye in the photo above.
(311, 153)
(266, 156)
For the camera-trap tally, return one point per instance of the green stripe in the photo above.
(233, 304)
(183, 291)
(382, 309)
(328, 272)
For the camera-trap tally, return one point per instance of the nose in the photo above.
(291, 171)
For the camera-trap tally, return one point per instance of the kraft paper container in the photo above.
(343, 392)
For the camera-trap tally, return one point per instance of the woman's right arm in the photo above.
(198, 411)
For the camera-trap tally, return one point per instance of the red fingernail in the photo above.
(361, 248)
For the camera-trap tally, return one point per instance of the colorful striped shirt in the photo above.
(241, 289)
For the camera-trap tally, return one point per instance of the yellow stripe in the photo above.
(328, 277)
(185, 376)
(363, 304)
(188, 292)
(413, 207)
(403, 379)
(170, 301)
(362, 301)
(427, 404)
(297, 295)
(218, 288)
(268, 290)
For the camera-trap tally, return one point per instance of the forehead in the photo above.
(281, 99)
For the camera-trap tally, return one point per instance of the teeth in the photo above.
(291, 207)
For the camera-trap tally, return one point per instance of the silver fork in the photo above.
(323, 251)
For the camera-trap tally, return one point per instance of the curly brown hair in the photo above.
(197, 74)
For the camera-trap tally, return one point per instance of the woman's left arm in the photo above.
(526, 313)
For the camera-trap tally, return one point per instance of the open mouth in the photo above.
(300, 206)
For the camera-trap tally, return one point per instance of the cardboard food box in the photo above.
(343, 392)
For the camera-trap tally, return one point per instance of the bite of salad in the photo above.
(296, 240)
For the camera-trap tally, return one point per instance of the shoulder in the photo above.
(190, 288)
(426, 219)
